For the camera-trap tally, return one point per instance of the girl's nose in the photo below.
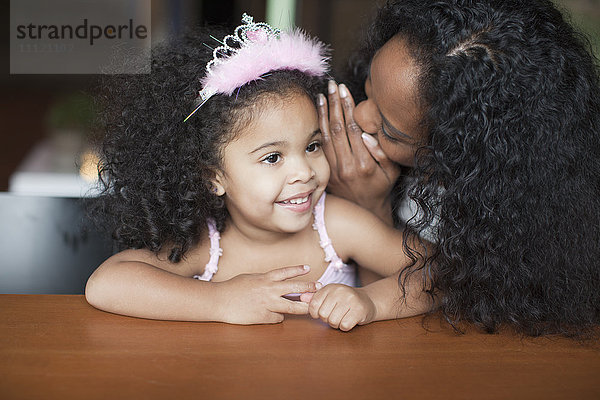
(301, 171)
(367, 116)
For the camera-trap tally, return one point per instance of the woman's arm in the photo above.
(343, 307)
(358, 234)
(131, 283)
(360, 170)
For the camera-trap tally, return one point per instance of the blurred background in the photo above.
(45, 118)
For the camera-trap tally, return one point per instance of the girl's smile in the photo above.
(300, 203)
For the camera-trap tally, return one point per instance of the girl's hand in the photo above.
(360, 170)
(342, 307)
(256, 298)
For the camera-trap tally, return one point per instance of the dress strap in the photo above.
(324, 240)
(212, 266)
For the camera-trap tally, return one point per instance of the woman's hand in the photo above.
(257, 298)
(342, 307)
(360, 170)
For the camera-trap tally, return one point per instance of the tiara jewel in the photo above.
(244, 35)
(254, 49)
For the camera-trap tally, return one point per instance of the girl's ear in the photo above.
(217, 183)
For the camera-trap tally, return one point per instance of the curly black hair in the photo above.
(155, 169)
(511, 167)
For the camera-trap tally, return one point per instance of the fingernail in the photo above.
(306, 267)
(368, 139)
(343, 91)
(331, 87)
(321, 99)
(318, 285)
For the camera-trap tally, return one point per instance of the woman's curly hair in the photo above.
(511, 166)
(155, 169)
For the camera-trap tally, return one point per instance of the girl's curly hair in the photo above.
(511, 167)
(156, 170)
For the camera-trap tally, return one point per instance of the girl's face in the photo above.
(274, 171)
(391, 110)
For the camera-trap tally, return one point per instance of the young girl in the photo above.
(210, 207)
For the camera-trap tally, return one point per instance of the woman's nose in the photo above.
(366, 115)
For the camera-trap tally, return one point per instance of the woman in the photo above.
(489, 112)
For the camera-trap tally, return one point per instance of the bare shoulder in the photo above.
(192, 263)
(343, 214)
(139, 255)
(358, 234)
(348, 223)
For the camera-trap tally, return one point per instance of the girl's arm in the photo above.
(137, 283)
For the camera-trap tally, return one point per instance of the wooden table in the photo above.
(59, 347)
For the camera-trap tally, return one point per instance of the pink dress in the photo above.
(337, 271)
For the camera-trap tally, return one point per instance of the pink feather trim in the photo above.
(292, 51)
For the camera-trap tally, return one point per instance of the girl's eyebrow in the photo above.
(281, 143)
(269, 144)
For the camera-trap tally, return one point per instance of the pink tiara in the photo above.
(254, 49)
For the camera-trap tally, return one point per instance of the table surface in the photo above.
(55, 346)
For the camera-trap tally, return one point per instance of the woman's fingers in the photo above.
(360, 171)
(328, 148)
(346, 146)
(337, 124)
(361, 162)
(306, 297)
(390, 168)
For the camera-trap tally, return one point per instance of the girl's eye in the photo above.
(314, 146)
(272, 158)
